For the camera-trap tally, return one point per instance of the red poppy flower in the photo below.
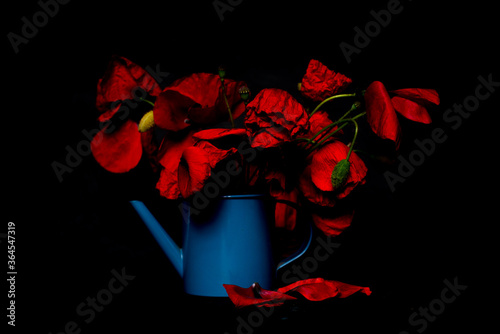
(187, 162)
(198, 98)
(196, 165)
(274, 117)
(120, 151)
(319, 82)
(381, 108)
(313, 289)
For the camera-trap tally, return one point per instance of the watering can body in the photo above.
(229, 243)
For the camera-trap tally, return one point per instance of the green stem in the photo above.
(353, 139)
(345, 121)
(227, 103)
(330, 99)
(147, 101)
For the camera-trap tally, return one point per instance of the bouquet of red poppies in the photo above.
(207, 135)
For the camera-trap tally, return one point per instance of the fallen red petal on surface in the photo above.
(255, 295)
(120, 151)
(313, 289)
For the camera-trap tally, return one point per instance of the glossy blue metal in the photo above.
(228, 243)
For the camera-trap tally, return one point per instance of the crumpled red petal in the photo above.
(274, 117)
(313, 289)
(285, 214)
(380, 113)
(323, 162)
(120, 151)
(120, 81)
(319, 82)
(170, 111)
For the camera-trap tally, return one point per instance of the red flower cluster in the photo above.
(303, 160)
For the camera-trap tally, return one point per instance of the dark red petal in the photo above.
(169, 156)
(218, 133)
(319, 82)
(380, 113)
(411, 110)
(254, 295)
(120, 151)
(194, 170)
(331, 224)
(170, 111)
(150, 148)
(285, 214)
(120, 81)
(419, 95)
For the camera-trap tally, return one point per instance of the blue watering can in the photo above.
(228, 245)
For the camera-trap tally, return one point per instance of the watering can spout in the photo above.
(168, 245)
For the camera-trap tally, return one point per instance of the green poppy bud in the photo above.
(340, 173)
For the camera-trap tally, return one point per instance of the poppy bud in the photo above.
(146, 122)
(244, 93)
(222, 72)
(340, 173)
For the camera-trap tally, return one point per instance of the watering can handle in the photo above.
(303, 248)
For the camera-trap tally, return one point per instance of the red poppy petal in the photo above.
(214, 154)
(319, 82)
(150, 148)
(168, 183)
(317, 289)
(254, 295)
(285, 214)
(380, 113)
(334, 225)
(120, 151)
(170, 111)
(218, 133)
(411, 110)
(420, 95)
(312, 193)
(194, 170)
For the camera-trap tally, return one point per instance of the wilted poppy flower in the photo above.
(121, 82)
(313, 289)
(274, 117)
(120, 150)
(319, 82)
(197, 99)
(381, 108)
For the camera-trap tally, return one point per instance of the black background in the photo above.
(438, 224)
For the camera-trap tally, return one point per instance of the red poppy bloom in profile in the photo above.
(197, 99)
(119, 151)
(381, 109)
(319, 82)
(274, 117)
